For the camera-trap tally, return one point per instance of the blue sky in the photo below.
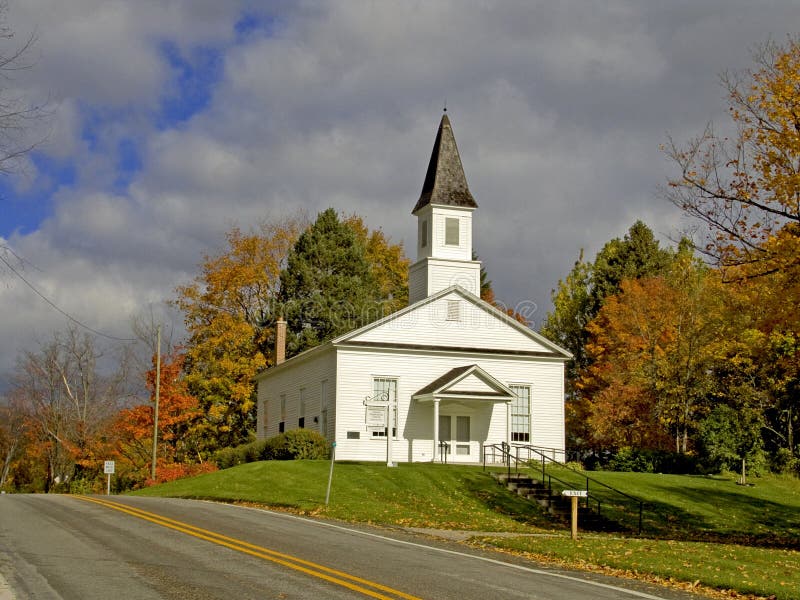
(169, 123)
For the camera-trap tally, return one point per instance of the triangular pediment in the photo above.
(454, 319)
(467, 382)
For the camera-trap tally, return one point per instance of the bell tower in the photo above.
(444, 224)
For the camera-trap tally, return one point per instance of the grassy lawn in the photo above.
(724, 536)
(764, 572)
(705, 508)
(422, 495)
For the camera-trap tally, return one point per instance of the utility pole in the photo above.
(155, 411)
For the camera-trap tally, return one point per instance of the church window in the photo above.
(521, 414)
(451, 227)
(453, 310)
(423, 233)
(384, 389)
(323, 426)
(301, 421)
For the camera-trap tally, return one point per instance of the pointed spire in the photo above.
(445, 182)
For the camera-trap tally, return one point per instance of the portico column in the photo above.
(435, 428)
(508, 425)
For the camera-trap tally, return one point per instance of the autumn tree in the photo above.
(12, 430)
(70, 403)
(581, 295)
(651, 351)
(388, 265)
(746, 186)
(178, 416)
(228, 311)
(328, 286)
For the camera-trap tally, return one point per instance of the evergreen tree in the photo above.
(327, 287)
(635, 256)
(580, 296)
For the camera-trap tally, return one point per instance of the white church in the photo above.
(437, 381)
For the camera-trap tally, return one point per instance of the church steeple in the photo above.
(445, 182)
(444, 217)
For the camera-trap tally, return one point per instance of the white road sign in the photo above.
(108, 467)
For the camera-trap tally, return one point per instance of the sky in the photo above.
(167, 123)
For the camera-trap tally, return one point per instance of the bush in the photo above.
(652, 461)
(783, 463)
(631, 459)
(297, 444)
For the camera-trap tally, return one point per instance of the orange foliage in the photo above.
(177, 412)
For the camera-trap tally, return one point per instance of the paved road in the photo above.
(141, 548)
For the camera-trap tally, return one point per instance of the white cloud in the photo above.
(558, 110)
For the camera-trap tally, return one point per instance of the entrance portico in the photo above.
(460, 398)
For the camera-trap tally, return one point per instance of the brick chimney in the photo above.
(280, 341)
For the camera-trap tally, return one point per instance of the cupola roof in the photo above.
(445, 182)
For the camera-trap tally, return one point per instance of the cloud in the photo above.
(171, 123)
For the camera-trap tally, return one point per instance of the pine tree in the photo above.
(327, 287)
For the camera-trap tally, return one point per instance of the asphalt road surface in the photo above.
(124, 548)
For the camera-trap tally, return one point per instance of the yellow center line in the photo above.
(310, 568)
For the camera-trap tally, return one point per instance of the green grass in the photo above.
(422, 495)
(703, 507)
(726, 536)
(766, 572)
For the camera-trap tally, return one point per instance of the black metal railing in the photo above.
(529, 457)
(444, 450)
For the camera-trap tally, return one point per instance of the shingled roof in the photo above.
(445, 182)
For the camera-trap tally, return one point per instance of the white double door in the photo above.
(455, 431)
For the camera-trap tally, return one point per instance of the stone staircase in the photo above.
(556, 505)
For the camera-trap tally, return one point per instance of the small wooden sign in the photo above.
(376, 416)
(575, 493)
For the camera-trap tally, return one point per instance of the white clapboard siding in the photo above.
(357, 367)
(289, 378)
(428, 324)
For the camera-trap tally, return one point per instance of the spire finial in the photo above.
(445, 105)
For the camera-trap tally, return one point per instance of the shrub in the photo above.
(782, 462)
(631, 459)
(296, 444)
(652, 461)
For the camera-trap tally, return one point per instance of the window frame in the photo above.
(378, 433)
(452, 227)
(519, 421)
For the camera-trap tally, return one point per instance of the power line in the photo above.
(54, 306)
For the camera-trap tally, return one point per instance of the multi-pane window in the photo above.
(301, 421)
(451, 232)
(521, 414)
(384, 389)
(462, 435)
(323, 425)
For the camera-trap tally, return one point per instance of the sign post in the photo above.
(379, 414)
(574, 495)
(108, 469)
(330, 474)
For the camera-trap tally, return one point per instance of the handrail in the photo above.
(548, 478)
(443, 455)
